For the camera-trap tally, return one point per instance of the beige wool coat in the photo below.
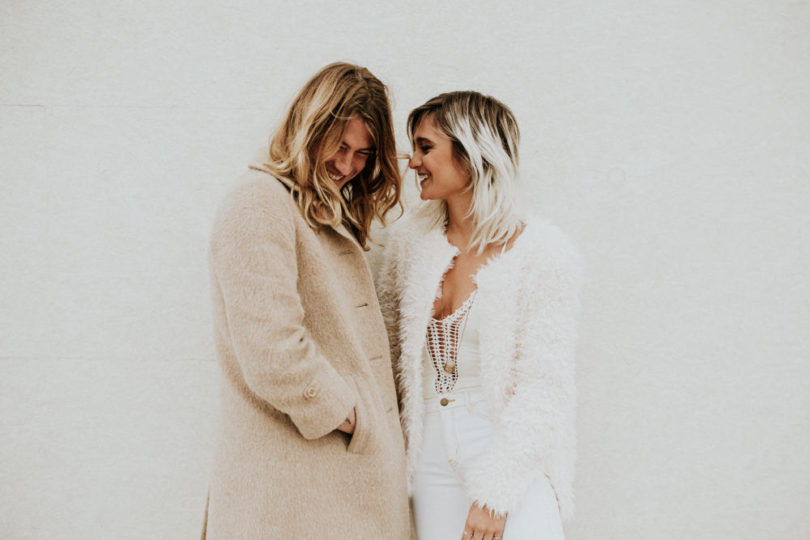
(300, 340)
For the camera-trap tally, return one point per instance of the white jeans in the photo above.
(455, 434)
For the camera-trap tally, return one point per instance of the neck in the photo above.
(459, 224)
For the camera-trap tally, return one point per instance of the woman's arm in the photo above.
(253, 254)
(538, 419)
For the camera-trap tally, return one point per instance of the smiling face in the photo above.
(355, 149)
(441, 175)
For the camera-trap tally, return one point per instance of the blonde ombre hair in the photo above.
(485, 139)
(311, 133)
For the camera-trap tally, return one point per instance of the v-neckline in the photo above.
(464, 305)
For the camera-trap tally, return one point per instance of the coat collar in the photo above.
(431, 246)
(290, 185)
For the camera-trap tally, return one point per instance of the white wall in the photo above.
(669, 139)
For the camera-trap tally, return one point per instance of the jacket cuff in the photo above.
(498, 484)
(325, 403)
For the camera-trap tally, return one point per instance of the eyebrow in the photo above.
(367, 149)
(423, 140)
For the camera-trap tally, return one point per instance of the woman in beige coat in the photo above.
(309, 444)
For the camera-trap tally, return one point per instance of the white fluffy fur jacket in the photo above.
(528, 299)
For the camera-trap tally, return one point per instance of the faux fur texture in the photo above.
(528, 300)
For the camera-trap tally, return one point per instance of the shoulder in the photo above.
(403, 234)
(416, 229)
(256, 191)
(543, 238)
(408, 229)
(414, 246)
(256, 202)
(543, 249)
(395, 245)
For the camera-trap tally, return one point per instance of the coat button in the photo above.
(444, 401)
(311, 391)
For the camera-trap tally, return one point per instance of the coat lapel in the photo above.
(345, 233)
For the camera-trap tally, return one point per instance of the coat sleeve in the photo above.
(253, 254)
(538, 419)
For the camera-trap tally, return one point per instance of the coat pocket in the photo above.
(361, 438)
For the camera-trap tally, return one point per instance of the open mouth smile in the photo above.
(336, 177)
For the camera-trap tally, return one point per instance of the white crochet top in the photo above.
(452, 361)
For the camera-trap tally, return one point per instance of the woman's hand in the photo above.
(348, 425)
(481, 525)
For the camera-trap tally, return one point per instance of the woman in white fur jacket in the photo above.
(481, 305)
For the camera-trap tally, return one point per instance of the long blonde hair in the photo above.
(312, 132)
(485, 138)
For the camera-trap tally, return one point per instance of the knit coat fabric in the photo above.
(301, 341)
(528, 300)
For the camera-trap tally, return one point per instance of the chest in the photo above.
(336, 292)
(331, 268)
(458, 283)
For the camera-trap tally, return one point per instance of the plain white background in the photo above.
(669, 139)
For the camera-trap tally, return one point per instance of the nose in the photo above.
(343, 163)
(415, 162)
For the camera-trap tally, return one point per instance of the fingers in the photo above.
(482, 524)
(481, 534)
(349, 424)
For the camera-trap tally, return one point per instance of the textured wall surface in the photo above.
(671, 140)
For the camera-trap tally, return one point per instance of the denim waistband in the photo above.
(449, 400)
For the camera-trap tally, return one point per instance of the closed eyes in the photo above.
(366, 152)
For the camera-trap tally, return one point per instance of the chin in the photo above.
(340, 185)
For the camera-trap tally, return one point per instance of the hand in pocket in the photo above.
(348, 425)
